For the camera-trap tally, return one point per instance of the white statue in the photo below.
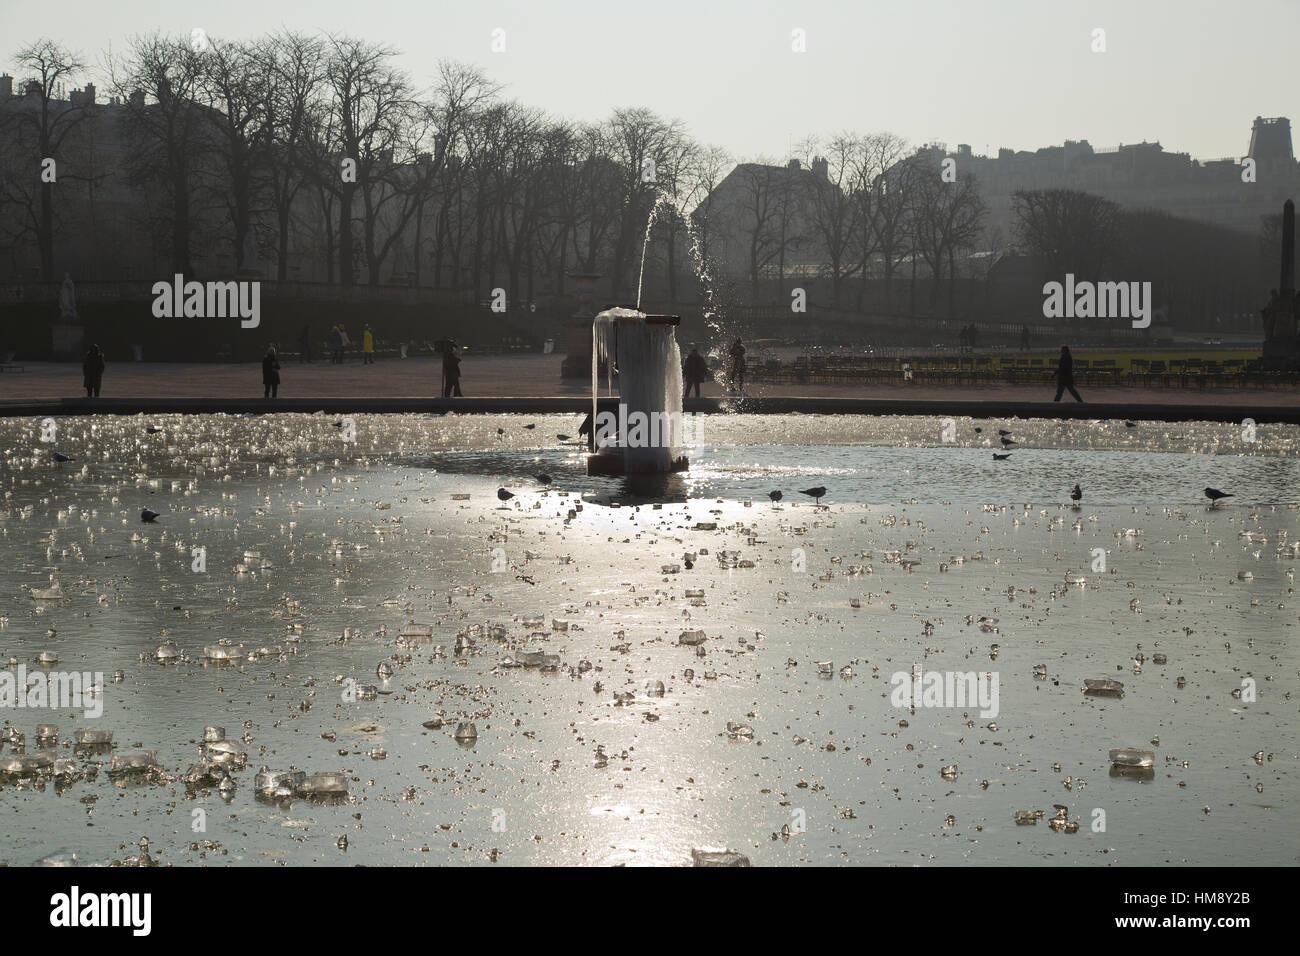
(68, 299)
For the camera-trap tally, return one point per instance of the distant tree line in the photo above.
(318, 155)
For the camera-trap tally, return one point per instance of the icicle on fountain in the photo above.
(642, 436)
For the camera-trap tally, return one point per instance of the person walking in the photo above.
(334, 341)
(1065, 375)
(92, 371)
(451, 372)
(344, 342)
(694, 373)
(270, 373)
(367, 347)
(738, 366)
(304, 344)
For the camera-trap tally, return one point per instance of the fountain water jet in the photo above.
(643, 436)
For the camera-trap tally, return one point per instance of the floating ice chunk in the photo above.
(224, 652)
(21, 764)
(691, 638)
(58, 858)
(133, 761)
(92, 737)
(269, 781)
(1132, 757)
(225, 753)
(48, 658)
(466, 732)
(212, 734)
(654, 688)
(1103, 687)
(739, 731)
(324, 784)
(1026, 818)
(714, 856)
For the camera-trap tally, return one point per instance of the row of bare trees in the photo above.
(318, 155)
(861, 207)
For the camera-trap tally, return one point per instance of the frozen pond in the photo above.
(330, 555)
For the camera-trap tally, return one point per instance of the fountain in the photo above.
(643, 434)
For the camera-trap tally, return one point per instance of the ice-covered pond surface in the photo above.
(335, 562)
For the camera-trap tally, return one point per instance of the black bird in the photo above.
(997, 457)
(60, 459)
(815, 493)
(1130, 424)
(1214, 494)
(530, 426)
(504, 495)
(562, 437)
(501, 431)
(1003, 432)
(152, 430)
(544, 479)
(1006, 442)
(979, 431)
(147, 515)
(1076, 494)
(338, 424)
(775, 495)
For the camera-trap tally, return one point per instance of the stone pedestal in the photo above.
(68, 340)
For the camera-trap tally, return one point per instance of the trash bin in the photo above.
(138, 352)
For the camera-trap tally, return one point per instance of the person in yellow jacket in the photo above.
(367, 347)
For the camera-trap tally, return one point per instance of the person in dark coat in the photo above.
(92, 371)
(738, 366)
(270, 373)
(695, 372)
(450, 372)
(1065, 375)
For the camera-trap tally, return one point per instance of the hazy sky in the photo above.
(1191, 74)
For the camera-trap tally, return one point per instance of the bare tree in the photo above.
(159, 82)
(39, 130)
(949, 218)
(886, 200)
(834, 196)
(294, 69)
(1070, 231)
(369, 107)
(236, 86)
